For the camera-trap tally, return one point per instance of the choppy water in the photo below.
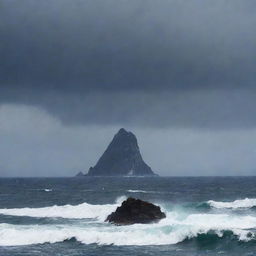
(65, 216)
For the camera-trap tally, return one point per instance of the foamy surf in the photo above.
(47, 190)
(178, 226)
(80, 211)
(138, 191)
(146, 192)
(244, 203)
(171, 230)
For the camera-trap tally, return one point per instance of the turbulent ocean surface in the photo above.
(65, 216)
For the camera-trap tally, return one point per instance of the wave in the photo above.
(212, 240)
(80, 211)
(244, 203)
(148, 192)
(42, 189)
(172, 230)
(179, 226)
(138, 191)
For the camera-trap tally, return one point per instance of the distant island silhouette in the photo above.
(121, 158)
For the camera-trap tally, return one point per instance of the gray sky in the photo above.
(179, 74)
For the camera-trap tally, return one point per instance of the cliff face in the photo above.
(122, 157)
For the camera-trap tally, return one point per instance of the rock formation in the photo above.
(121, 158)
(136, 211)
(80, 174)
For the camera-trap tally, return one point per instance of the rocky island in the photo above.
(136, 211)
(121, 158)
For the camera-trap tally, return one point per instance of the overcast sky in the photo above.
(179, 74)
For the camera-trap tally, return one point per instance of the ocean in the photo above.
(65, 216)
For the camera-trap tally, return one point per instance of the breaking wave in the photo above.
(172, 230)
(138, 191)
(179, 226)
(244, 203)
(80, 211)
(11, 235)
(147, 192)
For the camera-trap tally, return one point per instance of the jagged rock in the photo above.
(136, 211)
(121, 158)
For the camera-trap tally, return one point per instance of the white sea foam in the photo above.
(137, 191)
(171, 230)
(175, 228)
(146, 191)
(244, 203)
(120, 199)
(47, 190)
(79, 211)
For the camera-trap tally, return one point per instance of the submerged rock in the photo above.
(136, 211)
(121, 158)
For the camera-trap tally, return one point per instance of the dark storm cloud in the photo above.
(157, 63)
(204, 109)
(101, 45)
(180, 74)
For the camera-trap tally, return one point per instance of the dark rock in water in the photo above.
(121, 158)
(80, 174)
(136, 211)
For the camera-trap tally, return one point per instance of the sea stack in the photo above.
(121, 158)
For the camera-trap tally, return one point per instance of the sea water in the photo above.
(66, 216)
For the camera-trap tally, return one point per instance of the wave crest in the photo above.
(244, 203)
(14, 235)
(138, 191)
(80, 211)
(178, 226)
(172, 230)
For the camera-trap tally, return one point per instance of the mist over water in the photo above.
(32, 137)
